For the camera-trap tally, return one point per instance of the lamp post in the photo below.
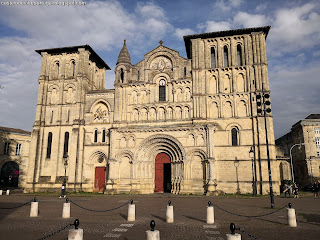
(297, 144)
(236, 164)
(65, 158)
(251, 155)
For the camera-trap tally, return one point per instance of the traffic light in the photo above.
(259, 103)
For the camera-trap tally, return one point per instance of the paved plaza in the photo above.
(189, 217)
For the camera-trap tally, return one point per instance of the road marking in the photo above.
(112, 235)
(120, 230)
(210, 226)
(126, 225)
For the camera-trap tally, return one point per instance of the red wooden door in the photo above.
(161, 158)
(100, 176)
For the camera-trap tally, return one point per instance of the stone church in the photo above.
(171, 124)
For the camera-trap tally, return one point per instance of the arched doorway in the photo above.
(162, 180)
(9, 174)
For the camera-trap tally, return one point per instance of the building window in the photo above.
(234, 137)
(213, 57)
(73, 66)
(138, 75)
(239, 55)
(225, 56)
(317, 130)
(95, 136)
(318, 154)
(18, 149)
(318, 142)
(162, 90)
(121, 75)
(57, 68)
(66, 144)
(185, 71)
(49, 145)
(6, 148)
(103, 135)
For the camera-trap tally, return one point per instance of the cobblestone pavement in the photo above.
(189, 217)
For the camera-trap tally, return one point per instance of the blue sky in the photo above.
(293, 44)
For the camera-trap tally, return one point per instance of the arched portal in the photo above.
(9, 174)
(162, 177)
(99, 159)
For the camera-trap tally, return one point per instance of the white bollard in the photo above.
(34, 210)
(8, 192)
(1, 192)
(153, 235)
(210, 215)
(66, 210)
(169, 213)
(75, 234)
(235, 236)
(131, 212)
(291, 216)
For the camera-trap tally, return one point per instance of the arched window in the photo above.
(234, 137)
(213, 57)
(162, 90)
(225, 56)
(138, 75)
(73, 68)
(95, 135)
(49, 145)
(66, 144)
(103, 135)
(57, 68)
(239, 55)
(121, 75)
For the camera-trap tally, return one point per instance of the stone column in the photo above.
(210, 150)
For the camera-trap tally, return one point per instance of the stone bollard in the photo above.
(152, 234)
(169, 213)
(66, 209)
(131, 212)
(8, 192)
(1, 192)
(233, 235)
(76, 233)
(34, 210)
(291, 216)
(210, 214)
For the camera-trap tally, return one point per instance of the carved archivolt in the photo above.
(161, 63)
(100, 113)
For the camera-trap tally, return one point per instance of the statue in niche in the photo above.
(54, 96)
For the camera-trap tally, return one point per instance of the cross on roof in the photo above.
(161, 42)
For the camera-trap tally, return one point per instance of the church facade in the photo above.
(171, 124)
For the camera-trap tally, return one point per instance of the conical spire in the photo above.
(124, 56)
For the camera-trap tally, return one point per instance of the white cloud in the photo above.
(149, 10)
(212, 26)
(179, 33)
(261, 7)
(250, 20)
(295, 28)
(227, 5)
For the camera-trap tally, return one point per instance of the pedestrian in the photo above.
(63, 190)
(319, 188)
(287, 190)
(295, 190)
(315, 189)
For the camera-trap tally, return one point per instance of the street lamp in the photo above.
(297, 144)
(236, 164)
(251, 155)
(65, 158)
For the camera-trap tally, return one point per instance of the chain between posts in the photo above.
(19, 205)
(240, 215)
(56, 232)
(93, 210)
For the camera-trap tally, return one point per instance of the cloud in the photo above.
(150, 10)
(247, 20)
(179, 33)
(295, 28)
(227, 5)
(212, 26)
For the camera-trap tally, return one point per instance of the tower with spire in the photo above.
(123, 68)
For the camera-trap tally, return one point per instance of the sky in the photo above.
(293, 44)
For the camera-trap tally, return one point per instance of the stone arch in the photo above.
(242, 108)
(100, 111)
(167, 55)
(134, 96)
(214, 110)
(212, 85)
(226, 84)
(187, 94)
(197, 168)
(228, 109)
(125, 153)
(98, 157)
(241, 87)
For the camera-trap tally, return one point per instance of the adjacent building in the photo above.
(14, 156)
(303, 144)
(171, 124)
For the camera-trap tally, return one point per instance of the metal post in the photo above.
(292, 173)
(251, 154)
